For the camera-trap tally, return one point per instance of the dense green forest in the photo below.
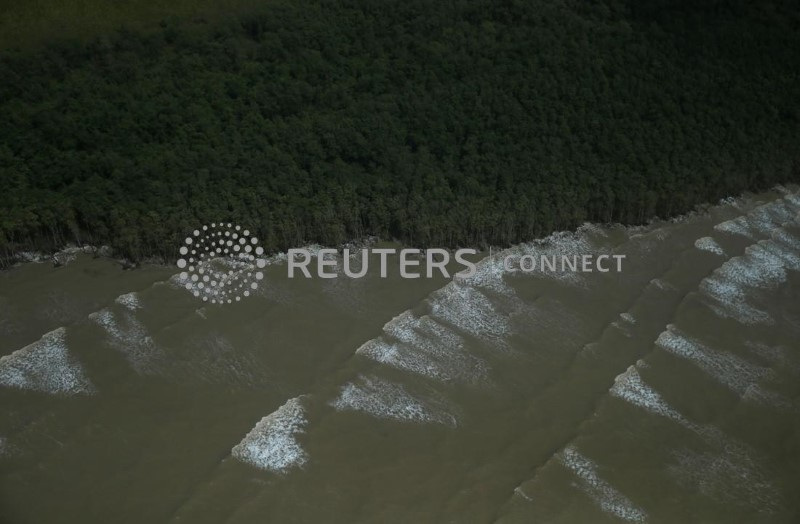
(435, 123)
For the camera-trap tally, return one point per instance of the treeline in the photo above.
(436, 123)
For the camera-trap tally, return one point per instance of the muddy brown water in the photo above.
(669, 392)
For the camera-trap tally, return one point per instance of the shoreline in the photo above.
(69, 251)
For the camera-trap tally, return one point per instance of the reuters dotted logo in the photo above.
(221, 263)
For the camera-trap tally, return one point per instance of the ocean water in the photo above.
(669, 392)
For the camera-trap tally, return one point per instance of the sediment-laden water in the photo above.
(669, 392)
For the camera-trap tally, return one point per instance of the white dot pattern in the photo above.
(208, 277)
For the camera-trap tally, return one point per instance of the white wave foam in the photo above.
(562, 243)
(736, 226)
(272, 444)
(728, 474)
(625, 324)
(488, 274)
(629, 386)
(471, 311)
(729, 301)
(662, 285)
(729, 287)
(777, 253)
(710, 245)
(32, 256)
(490, 270)
(762, 220)
(383, 399)
(609, 499)
(727, 290)
(518, 491)
(7, 449)
(129, 336)
(463, 304)
(47, 366)
(762, 266)
(425, 347)
(793, 199)
(728, 369)
(757, 394)
(784, 237)
(129, 300)
(765, 218)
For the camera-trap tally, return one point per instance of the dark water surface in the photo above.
(665, 393)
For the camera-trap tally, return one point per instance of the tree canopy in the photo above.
(435, 123)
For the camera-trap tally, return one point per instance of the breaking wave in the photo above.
(272, 444)
(384, 399)
(603, 493)
(47, 366)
